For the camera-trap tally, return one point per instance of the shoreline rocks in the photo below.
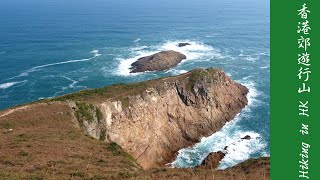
(212, 160)
(157, 62)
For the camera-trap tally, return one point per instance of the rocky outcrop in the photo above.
(212, 160)
(157, 62)
(247, 137)
(153, 120)
(183, 44)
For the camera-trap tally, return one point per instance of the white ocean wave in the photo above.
(196, 51)
(241, 150)
(176, 71)
(137, 40)
(229, 136)
(40, 67)
(138, 48)
(10, 84)
(265, 67)
(7, 85)
(251, 58)
(72, 85)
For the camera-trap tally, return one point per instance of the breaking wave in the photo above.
(227, 140)
(38, 68)
(72, 85)
(195, 51)
(10, 84)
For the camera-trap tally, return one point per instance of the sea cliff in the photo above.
(152, 120)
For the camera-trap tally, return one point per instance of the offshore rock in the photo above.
(157, 62)
(183, 44)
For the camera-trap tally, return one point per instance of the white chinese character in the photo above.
(304, 59)
(304, 11)
(304, 42)
(303, 89)
(305, 27)
(305, 72)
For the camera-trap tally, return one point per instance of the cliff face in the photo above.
(166, 115)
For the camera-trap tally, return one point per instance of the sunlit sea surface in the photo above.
(52, 48)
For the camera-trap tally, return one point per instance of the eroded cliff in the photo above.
(154, 119)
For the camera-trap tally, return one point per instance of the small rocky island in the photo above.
(157, 62)
(183, 44)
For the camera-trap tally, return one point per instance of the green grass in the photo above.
(121, 91)
(99, 114)
(118, 151)
(197, 75)
(84, 112)
(115, 149)
(105, 92)
(125, 102)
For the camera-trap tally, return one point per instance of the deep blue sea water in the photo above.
(50, 48)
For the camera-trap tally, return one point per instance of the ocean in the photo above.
(50, 48)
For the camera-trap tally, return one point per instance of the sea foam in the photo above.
(229, 136)
(10, 84)
(40, 67)
(196, 51)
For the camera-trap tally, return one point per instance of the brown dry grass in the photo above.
(45, 143)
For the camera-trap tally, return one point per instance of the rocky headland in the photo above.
(165, 115)
(149, 120)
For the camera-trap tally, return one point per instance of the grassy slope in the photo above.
(45, 143)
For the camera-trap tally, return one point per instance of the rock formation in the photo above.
(157, 62)
(165, 115)
(154, 119)
(247, 137)
(212, 160)
(183, 44)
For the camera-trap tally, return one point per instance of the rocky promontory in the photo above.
(150, 120)
(157, 62)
